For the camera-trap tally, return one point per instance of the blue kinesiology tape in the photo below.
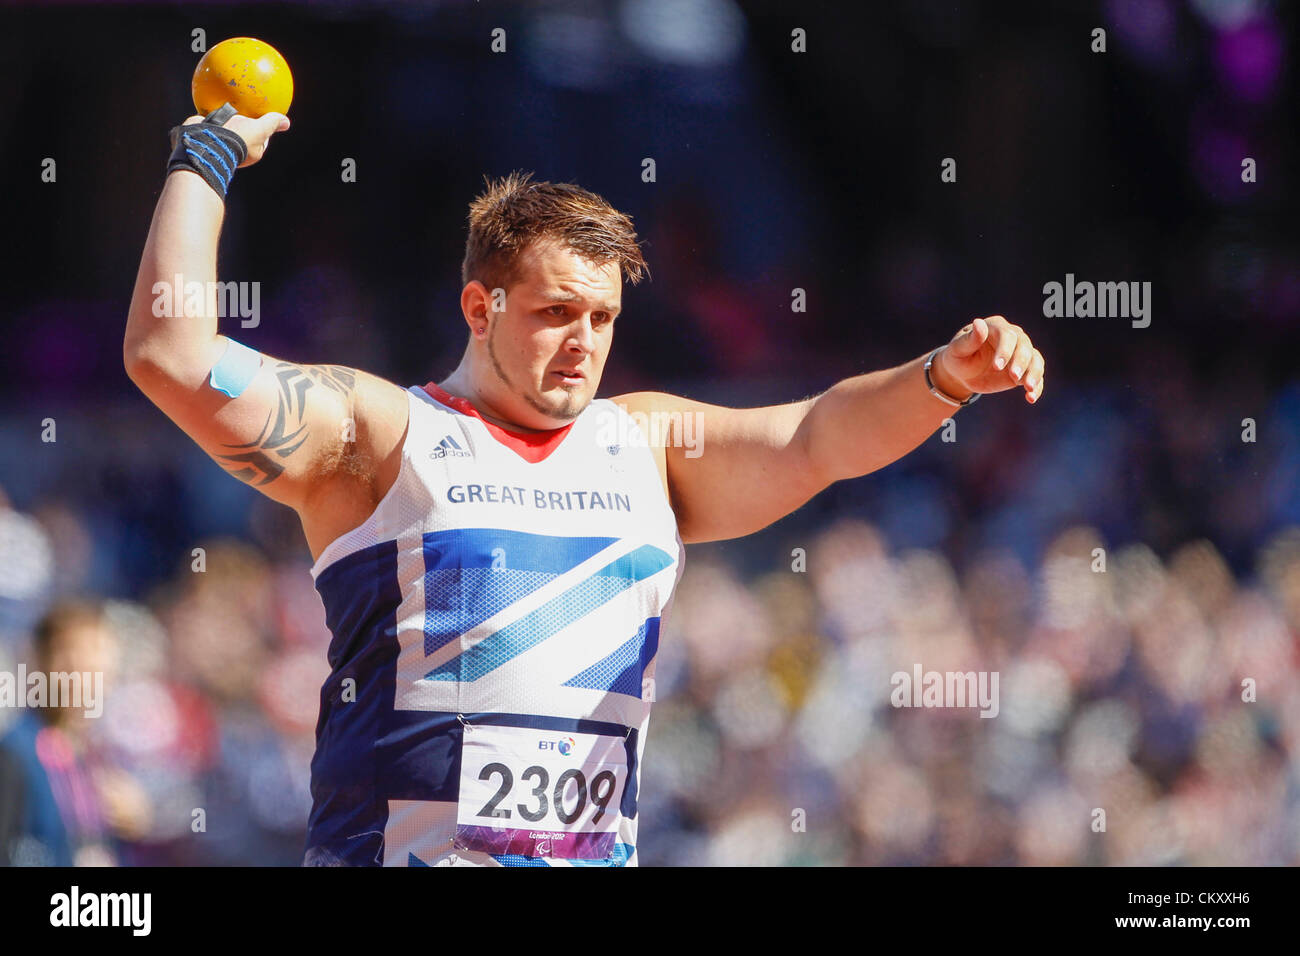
(235, 369)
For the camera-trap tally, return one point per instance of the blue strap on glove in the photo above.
(209, 149)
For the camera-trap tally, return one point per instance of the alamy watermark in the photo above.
(128, 910)
(1085, 300)
(653, 430)
(82, 690)
(946, 689)
(241, 300)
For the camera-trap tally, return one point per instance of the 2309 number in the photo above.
(602, 788)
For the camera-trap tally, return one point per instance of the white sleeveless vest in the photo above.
(496, 622)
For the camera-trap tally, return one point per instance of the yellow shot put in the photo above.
(249, 74)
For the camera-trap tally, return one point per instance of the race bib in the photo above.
(540, 793)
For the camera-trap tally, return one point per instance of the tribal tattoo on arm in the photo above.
(286, 429)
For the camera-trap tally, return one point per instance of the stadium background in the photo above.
(775, 170)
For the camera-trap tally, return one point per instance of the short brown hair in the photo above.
(514, 212)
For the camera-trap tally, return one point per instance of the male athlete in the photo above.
(496, 552)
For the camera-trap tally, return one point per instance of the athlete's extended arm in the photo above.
(291, 428)
(745, 468)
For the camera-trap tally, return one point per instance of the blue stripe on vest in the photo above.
(361, 594)
(472, 574)
(623, 671)
(556, 614)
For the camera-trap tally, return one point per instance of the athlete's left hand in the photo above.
(991, 355)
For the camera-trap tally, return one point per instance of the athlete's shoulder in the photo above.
(366, 445)
(383, 408)
(649, 402)
(379, 389)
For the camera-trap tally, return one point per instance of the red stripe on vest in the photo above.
(530, 446)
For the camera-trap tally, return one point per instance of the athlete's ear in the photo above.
(476, 304)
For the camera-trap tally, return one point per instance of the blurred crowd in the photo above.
(202, 752)
(1120, 690)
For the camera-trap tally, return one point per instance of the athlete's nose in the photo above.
(583, 338)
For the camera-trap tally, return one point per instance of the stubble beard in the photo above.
(572, 406)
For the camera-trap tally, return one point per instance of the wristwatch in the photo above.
(971, 399)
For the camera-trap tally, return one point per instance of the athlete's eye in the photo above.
(554, 307)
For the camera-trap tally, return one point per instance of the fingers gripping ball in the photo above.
(248, 74)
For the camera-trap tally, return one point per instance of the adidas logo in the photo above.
(447, 448)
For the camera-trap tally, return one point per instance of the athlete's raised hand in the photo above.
(256, 133)
(991, 355)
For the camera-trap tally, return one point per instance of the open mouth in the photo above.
(569, 376)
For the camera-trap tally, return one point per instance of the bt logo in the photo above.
(564, 745)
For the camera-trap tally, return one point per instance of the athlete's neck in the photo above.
(457, 389)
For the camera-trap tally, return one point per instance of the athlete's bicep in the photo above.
(278, 426)
(731, 471)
